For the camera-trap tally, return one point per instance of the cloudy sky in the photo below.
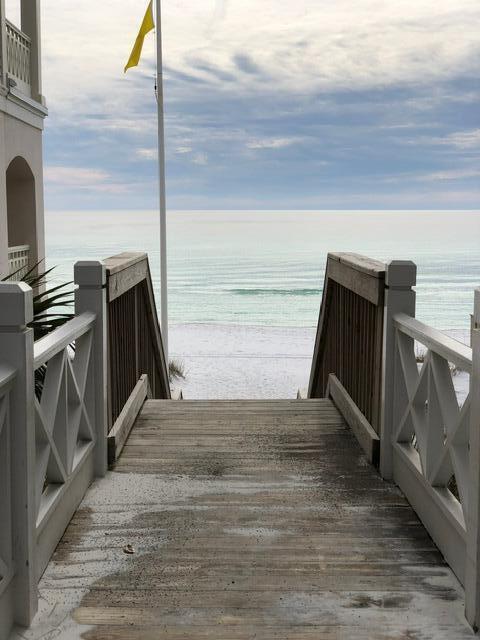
(304, 104)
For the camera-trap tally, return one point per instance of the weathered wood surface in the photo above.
(350, 331)
(249, 519)
(125, 270)
(134, 338)
(124, 423)
(362, 429)
(359, 274)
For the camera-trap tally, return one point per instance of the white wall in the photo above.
(18, 138)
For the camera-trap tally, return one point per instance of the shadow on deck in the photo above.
(248, 519)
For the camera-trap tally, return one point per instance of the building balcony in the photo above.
(18, 58)
(18, 261)
(20, 55)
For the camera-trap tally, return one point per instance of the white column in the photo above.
(91, 296)
(31, 26)
(16, 349)
(472, 568)
(3, 45)
(400, 277)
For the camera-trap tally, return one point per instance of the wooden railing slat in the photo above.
(350, 330)
(134, 336)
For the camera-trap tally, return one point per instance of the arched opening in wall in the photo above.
(21, 213)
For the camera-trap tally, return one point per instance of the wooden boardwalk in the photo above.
(248, 519)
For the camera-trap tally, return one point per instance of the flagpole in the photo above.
(161, 183)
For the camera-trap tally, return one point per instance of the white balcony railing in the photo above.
(18, 258)
(18, 57)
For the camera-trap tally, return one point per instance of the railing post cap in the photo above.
(16, 304)
(476, 307)
(89, 273)
(401, 273)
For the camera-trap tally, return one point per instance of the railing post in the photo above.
(91, 296)
(16, 349)
(472, 567)
(400, 277)
(30, 19)
(3, 45)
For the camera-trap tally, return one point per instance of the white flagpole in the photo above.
(161, 183)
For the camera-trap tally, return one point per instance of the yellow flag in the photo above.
(146, 26)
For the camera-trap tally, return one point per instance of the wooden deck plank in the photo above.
(256, 519)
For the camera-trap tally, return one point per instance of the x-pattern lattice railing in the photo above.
(432, 429)
(63, 424)
(53, 431)
(432, 425)
(6, 376)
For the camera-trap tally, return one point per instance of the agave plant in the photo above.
(50, 304)
(49, 312)
(49, 309)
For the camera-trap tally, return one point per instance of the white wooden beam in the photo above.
(472, 565)
(16, 347)
(400, 277)
(91, 297)
(30, 18)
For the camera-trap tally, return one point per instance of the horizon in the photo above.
(275, 210)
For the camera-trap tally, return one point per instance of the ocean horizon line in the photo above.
(51, 211)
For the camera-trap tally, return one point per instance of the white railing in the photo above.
(18, 260)
(430, 435)
(54, 392)
(18, 57)
(6, 559)
(64, 415)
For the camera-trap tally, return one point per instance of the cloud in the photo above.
(454, 174)
(75, 176)
(82, 178)
(464, 139)
(271, 143)
(274, 97)
(200, 159)
(245, 63)
(147, 153)
(304, 46)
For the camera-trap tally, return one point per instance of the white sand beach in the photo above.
(233, 361)
(240, 361)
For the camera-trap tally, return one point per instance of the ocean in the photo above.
(246, 285)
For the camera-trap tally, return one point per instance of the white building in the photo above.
(22, 113)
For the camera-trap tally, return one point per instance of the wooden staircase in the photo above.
(246, 519)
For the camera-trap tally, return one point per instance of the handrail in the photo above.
(18, 31)
(45, 348)
(450, 349)
(134, 337)
(7, 375)
(18, 258)
(18, 248)
(350, 329)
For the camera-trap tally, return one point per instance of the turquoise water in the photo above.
(266, 268)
